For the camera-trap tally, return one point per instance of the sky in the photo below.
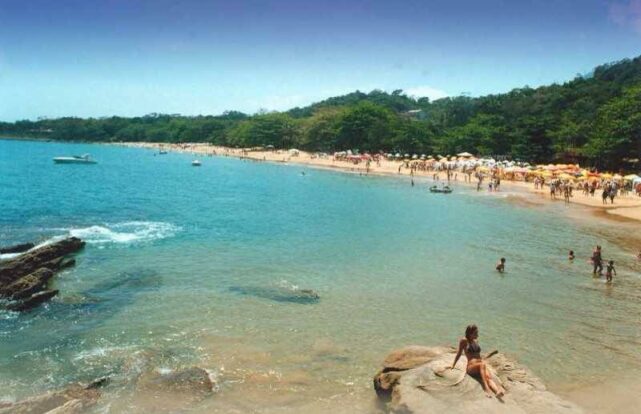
(94, 58)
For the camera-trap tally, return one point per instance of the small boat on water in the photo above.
(75, 159)
(195, 163)
(446, 189)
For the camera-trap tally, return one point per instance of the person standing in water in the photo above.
(500, 266)
(476, 366)
(609, 269)
(597, 262)
(571, 255)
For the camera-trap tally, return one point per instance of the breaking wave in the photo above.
(128, 232)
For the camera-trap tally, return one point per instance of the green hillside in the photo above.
(593, 119)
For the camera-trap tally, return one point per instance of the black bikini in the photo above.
(473, 348)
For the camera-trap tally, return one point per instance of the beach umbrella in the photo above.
(617, 177)
(606, 175)
(566, 176)
(414, 156)
(631, 177)
(464, 155)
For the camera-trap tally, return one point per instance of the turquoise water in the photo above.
(187, 266)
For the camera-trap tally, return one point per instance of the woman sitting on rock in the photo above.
(476, 367)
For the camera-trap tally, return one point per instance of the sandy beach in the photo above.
(625, 207)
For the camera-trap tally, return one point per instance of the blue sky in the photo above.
(128, 57)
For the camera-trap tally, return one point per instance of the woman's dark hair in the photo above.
(470, 330)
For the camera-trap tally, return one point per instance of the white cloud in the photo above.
(426, 91)
(626, 13)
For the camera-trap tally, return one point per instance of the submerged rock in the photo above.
(32, 301)
(18, 248)
(172, 391)
(74, 399)
(192, 380)
(417, 379)
(278, 293)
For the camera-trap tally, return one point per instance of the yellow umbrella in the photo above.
(567, 177)
(606, 175)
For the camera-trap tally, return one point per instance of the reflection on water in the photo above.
(211, 273)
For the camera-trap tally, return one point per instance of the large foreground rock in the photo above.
(72, 400)
(417, 379)
(17, 267)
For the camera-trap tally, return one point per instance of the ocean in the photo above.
(204, 267)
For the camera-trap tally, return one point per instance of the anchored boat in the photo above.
(446, 189)
(75, 159)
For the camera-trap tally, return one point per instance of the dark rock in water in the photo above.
(17, 267)
(18, 248)
(28, 285)
(418, 379)
(278, 294)
(76, 398)
(58, 264)
(32, 301)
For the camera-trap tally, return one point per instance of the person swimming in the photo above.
(500, 266)
(476, 366)
(571, 255)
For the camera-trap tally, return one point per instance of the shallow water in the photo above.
(189, 266)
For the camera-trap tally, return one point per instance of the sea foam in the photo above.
(127, 232)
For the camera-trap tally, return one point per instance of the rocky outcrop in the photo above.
(24, 279)
(18, 248)
(17, 267)
(28, 285)
(74, 399)
(418, 379)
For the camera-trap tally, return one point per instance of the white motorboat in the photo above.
(76, 159)
(195, 163)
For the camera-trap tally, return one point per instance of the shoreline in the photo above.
(626, 209)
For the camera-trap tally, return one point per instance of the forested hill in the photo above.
(594, 119)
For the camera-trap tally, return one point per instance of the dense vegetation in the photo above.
(594, 119)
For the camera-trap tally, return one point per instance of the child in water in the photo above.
(500, 266)
(571, 255)
(609, 269)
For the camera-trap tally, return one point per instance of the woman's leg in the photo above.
(497, 389)
(487, 380)
(478, 369)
